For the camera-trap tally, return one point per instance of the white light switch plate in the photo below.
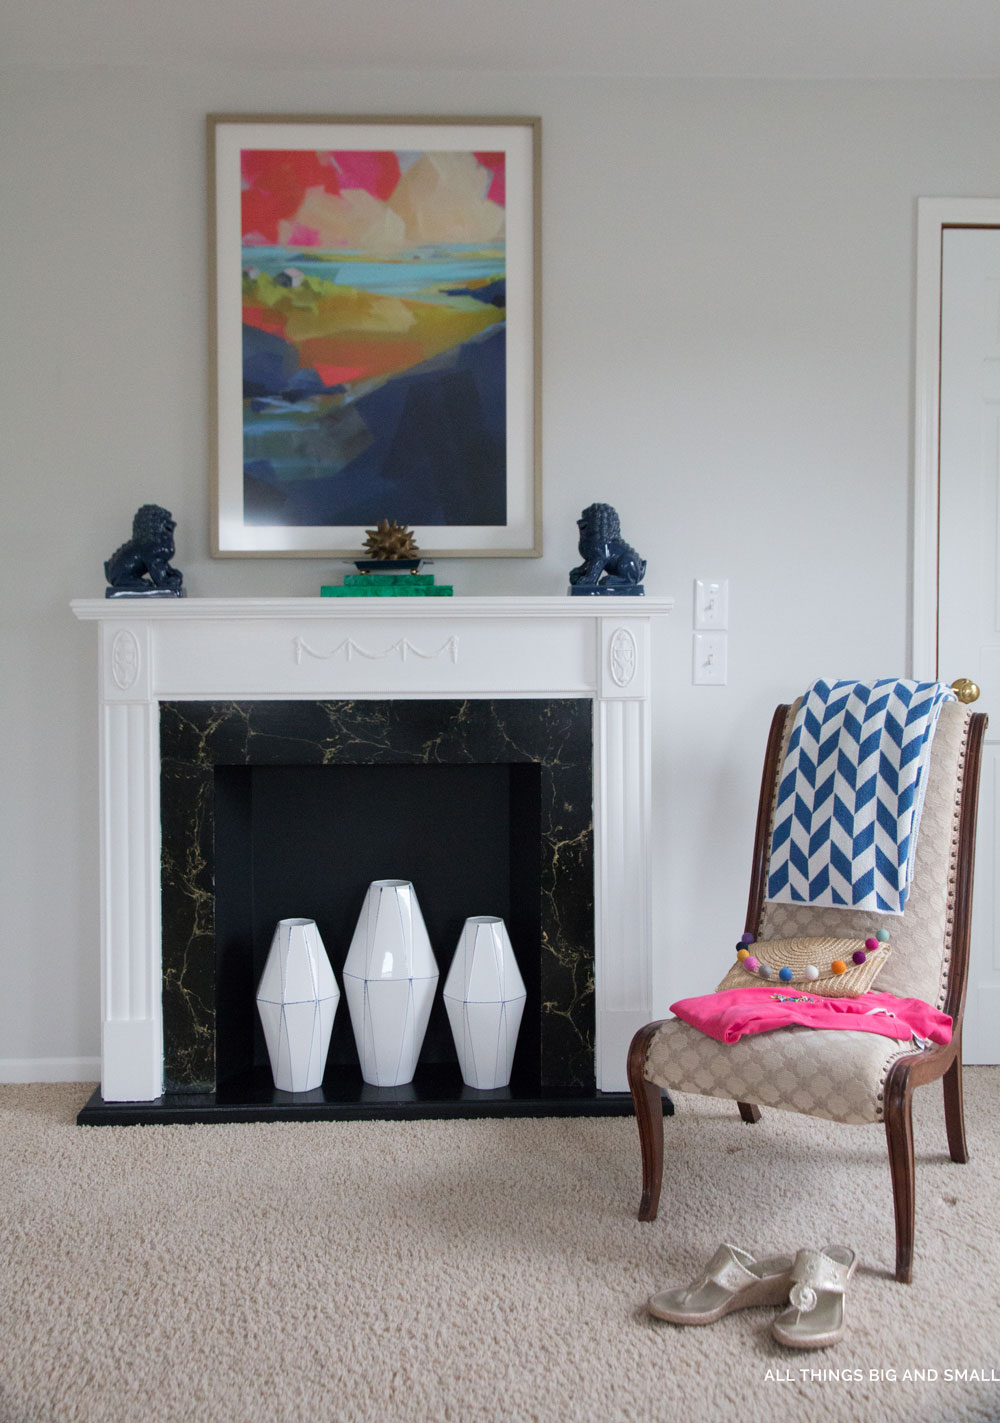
(711, 604)
(709, 668)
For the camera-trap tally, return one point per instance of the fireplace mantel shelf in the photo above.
(141, 609)
(152, 651)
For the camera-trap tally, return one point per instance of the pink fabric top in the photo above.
(729, 1015)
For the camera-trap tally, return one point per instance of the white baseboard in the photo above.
(50, 1069)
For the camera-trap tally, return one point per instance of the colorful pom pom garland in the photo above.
(810, 973)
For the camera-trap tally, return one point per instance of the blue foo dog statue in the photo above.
(141, 568)
(610, 566)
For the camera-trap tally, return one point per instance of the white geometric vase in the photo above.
(484, 994)
(297, 999)
(390, 977)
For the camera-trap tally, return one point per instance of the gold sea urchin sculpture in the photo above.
(390, 541)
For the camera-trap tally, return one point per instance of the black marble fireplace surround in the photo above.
(274, 809)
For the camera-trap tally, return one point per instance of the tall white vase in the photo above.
(484, 994)
(297, 999)
(390, 977)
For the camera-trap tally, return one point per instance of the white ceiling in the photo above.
(680, 38)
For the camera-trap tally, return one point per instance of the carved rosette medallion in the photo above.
(624, 657)
(125, 659)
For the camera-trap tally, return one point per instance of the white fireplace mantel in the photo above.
(199, 649)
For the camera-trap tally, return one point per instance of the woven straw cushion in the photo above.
(795, 954)
(821, 1072)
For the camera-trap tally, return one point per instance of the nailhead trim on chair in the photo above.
(953, 867)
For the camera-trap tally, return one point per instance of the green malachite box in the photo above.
(394, 590)
(387, 585)
(411, 580)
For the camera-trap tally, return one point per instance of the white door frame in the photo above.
(933, 216)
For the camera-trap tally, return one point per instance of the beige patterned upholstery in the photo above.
(820, 1072)
(830, 1073)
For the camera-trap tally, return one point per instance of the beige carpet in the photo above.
(446, 1272)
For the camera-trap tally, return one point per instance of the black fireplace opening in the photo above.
(306, 842)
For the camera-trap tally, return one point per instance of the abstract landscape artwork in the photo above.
(376, 334)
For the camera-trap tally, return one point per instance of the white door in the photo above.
(968, 631)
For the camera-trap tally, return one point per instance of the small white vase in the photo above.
(297, 999)
(390, 977)
(484, 994)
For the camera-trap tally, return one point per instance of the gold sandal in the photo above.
(815, 1316)
(732, 1279)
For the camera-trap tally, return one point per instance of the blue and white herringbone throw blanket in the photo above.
(851, 793)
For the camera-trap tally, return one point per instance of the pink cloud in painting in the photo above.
(498, 187)
(274, 183)
(373, 172)
(301, 236)
(365, 200)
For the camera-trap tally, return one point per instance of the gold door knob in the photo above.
(965, 690)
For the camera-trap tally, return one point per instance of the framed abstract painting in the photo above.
(377, 346)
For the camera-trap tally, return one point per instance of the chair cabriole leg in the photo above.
(899, 1138)
(954, 1109)
(648, 1102)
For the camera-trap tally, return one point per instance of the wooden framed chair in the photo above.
(837, 1075)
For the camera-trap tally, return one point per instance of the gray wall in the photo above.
(728, 321)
